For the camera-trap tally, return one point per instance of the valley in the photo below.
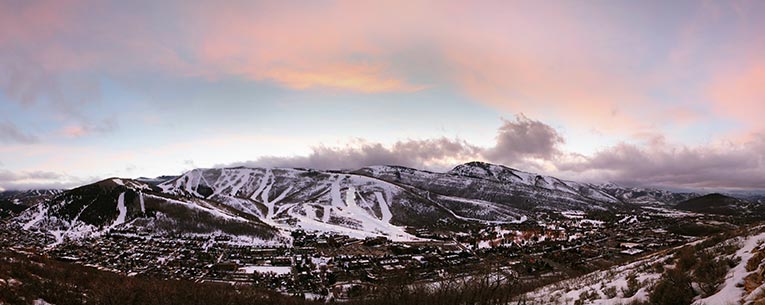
(344, 235)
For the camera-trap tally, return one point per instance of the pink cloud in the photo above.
(501, 54)
(551, 61)
(740, 93)
(73, 131)
(300, 47)
(81, 130)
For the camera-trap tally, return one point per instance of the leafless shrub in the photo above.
(633, 285)
(610, 292)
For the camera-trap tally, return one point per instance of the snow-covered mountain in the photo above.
(13, 203)
(115, 203)
(346, 203)
(28, 197)
(268, 203)
(508, 190)
(645, 196)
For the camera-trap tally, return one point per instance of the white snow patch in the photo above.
(325, 216)
(384, 209)
(266, 269)
(629, 219)
(140, 199)
(573, 214)
(122, 209)
(370, 225)
(335, 193)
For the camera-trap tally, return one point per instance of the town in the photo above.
(327, 266)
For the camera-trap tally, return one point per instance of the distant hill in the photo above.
(719, 204)
(12, 203)
(8, 208)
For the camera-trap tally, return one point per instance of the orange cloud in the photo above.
(363, 78)
(74, 131)
(297, 47)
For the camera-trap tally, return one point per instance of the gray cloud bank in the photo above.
(660, 163)
(524, 144)
(532, 145)
(517, 143)
(413, 153)
(30, 180)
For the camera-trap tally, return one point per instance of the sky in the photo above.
(643, 93)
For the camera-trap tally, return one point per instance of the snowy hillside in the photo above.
(645, 196)
(715, 271)
(510, 189)
(13, 203)
(269, 203)
(350, 204)
(120, 204)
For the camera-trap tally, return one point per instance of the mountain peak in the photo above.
(121, 183)
(482, 165)
(490, 171)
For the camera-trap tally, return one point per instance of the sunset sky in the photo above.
(645, 93)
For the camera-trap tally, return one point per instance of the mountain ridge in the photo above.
(269, 203)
